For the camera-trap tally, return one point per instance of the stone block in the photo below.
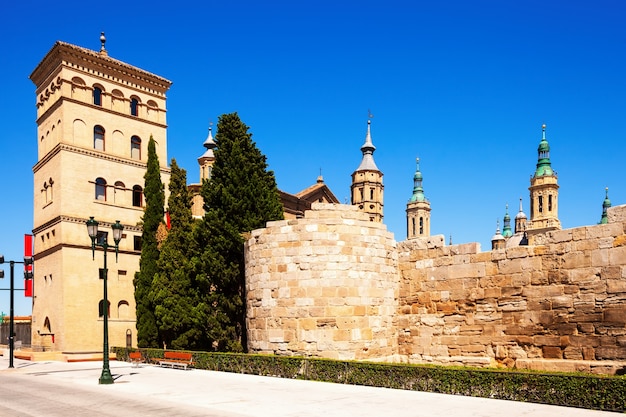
(559, 236)
(617, 256)
(616, 286)
(615, 314)
(562, 301)
(610, 353)
(619, 241)
(493, 292)
(547, 341)
(552, 352)
(572, 353)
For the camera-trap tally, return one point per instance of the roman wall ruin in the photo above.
(336, 285)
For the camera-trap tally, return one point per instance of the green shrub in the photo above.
(573, 390)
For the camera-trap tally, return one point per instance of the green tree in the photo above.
(172, 290)
(240, 196)
(147, 334)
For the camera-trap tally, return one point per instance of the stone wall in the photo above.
(529, 306)
(336, 285)
(323, 286)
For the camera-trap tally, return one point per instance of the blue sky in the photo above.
(463, 85)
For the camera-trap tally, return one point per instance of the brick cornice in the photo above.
(92, 154)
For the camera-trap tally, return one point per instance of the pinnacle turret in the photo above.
(418, 190)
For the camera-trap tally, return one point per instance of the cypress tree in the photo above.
(240, 196)
(172, 289)
(147, 334)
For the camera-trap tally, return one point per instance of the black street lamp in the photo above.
(92, 230)
(28, 260)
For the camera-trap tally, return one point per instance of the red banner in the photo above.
(28, 287)
(28, 252)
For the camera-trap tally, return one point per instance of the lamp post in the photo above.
(92, 230)
(28, 260)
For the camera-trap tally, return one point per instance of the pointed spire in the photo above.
(544, 167)
(418, 190)
(209, 143)
(497, 237)
(606, 204)
(368, 148)
(506, 231)
(520, 213)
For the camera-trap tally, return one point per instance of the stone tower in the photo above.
(95, 116)
(520, 219)
(206, 162)
(417, 209)
(544, 193)
(497, 240)
(367, 182)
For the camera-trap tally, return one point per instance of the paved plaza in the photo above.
(50, 389)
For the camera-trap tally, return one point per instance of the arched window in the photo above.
(97, 96)
(550, 202)
(134, 106)
(101, 308)
(101, 189)
(123, 309)
(98, 138)
(135, 147)
(137, 196)
(118, 192)
(421, 225)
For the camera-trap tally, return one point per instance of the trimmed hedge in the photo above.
(573, 390)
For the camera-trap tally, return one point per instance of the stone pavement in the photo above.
(37, 389)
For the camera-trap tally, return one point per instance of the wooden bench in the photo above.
(136, 358)
(176, 360)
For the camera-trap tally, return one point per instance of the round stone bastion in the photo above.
(325, 285)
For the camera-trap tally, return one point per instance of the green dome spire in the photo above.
(544, 167)
(506, 229)
(605, 206)
(418, 191)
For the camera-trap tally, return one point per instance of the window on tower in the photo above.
(98, 138)
(101, 307)
(97, 96)
(101, 189)
(135, 147)
(550, 202)
(134, 107)
(137, 196)
(421, 225)
(540, 204)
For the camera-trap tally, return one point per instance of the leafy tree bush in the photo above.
(147, 332)
(240, 196)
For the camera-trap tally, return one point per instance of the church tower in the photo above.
(520, 219)
(544, 193)
(95, 117)
(417, 209)
(206, 162)
(506, 229)
(498, 241)
(367, 182)
(606, 204)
